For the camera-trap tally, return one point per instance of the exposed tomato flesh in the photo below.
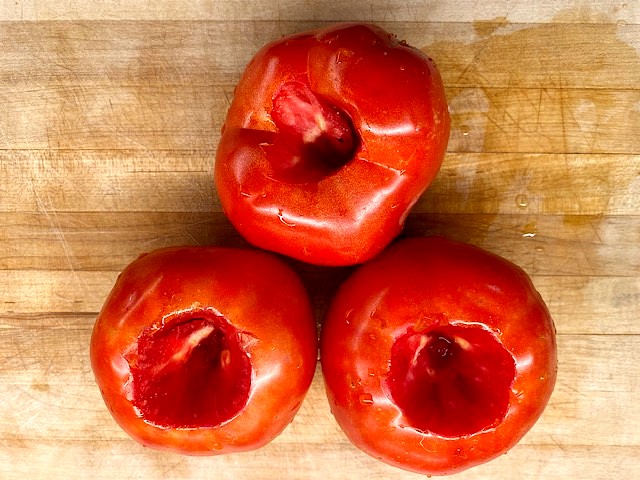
(451, 380)
(191, 372)
(315, 138)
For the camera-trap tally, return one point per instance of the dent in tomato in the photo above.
(437, 356)
(205, 350)
(330, 139)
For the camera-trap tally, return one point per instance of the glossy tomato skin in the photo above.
(256, 293)
(393, 97)
(418, 285)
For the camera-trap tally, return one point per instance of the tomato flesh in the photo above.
(451, 380)
(191, 372)
(315, 138)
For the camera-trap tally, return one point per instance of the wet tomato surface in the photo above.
(438, 356)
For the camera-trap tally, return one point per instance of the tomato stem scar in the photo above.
(451, 380)
(191, 372)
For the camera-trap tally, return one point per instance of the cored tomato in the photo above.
(437, 356)
(205, 350)
(330, 139)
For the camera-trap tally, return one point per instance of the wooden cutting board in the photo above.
(111, 113)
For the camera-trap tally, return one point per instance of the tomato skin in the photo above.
(424, 283)
(257, 293)
(394, 97)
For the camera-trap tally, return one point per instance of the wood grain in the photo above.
(111, 116)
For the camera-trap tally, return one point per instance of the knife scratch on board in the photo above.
(51, 215)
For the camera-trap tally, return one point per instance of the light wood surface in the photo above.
(111, 113)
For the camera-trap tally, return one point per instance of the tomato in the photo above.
(205, 350)
(437, 355)
(330, 139)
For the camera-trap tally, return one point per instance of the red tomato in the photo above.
(205, 350)
(331, 138)
(437, 356)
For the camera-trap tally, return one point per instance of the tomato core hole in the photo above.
(451, 380)
(191, 372)
(315, 138)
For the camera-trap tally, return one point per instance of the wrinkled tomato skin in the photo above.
(257, 293)
(394, 97)
(415, 284)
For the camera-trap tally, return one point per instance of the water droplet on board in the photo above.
(529, 230)
(522, 201)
